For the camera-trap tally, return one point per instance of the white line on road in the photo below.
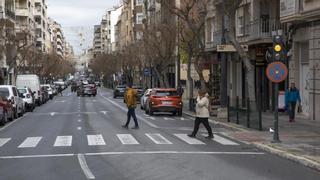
(95, 140)
(84, 167)
(168, 119)
(127, 139)
(158, 139)
(79, 128)
(189, 140)
(3, 141)
(30, 142)
(133, 153)
(79, 120)
(222, 140)
(63, 141)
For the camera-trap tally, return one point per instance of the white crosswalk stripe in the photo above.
(189, 140)
(223, 141)
(158, 139)
(30, 142)
(63, 141)
(127, 139)
(95, 140)
(3, 141)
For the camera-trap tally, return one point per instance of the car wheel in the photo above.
(15, 113)
(4, 119)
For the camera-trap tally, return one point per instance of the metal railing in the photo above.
(216, 40)
(260, 29)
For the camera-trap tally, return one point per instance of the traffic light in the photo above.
(278, 49)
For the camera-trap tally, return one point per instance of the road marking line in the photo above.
(127, 139)
(134, 153)
(168, 119)
(79, 120)
(84, 167)
(95, 140)
(189, 140)
(222, 140)
(124, 109)
(63, 141)
(3, 141)
(79, 128)
(30, 142)
(182, 119)
(158, 139)
(174, 152)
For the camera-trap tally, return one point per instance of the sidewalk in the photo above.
(300, 141)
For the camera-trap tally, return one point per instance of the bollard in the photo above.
(237, 110)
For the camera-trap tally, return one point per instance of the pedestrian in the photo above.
(292, 96)
(180, 90)
(60, 90)
(131, 101)
(202, 115)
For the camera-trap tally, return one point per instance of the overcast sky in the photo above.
(78, 17)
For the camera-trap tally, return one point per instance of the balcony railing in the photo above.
(10, 14)
(260, 29)
(216, 40)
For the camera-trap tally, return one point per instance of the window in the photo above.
(14, 91)
(140, 18)
(139, 2)
(240, 21)
(210, 29)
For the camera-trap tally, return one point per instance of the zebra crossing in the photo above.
(124, 139)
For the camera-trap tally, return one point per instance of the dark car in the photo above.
(119, 91)
(98, 83)
(89, 89)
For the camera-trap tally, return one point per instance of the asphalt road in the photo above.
(82, 138)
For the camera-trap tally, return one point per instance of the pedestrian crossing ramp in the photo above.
(124, 139)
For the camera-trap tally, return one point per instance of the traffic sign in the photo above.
(146, 72)
(277, 72)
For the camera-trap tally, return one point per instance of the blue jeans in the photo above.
(131, 112)
(292, 110)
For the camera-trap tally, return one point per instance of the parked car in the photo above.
(6, 111)
(12, 94)
(119, 91)
(144, 98)
(164, 100)
(54, 90)
(33, 82)
(28, 98)
(62, 84)
(98, 83)
(47, 88)
(139, 91)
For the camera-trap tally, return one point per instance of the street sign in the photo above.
(277, 72)
(146, 72)
(230, 48)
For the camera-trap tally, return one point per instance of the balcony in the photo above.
(216, 40)
(259, 31)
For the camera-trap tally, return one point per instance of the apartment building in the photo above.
(25, 24)
(56, 38)
(7, 36)
(303, 18)
(97, 44)
(43, 42)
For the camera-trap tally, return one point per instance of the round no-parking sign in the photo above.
(277, 72)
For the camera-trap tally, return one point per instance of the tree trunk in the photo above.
(201, 77)
(159, 77)
(190, 80)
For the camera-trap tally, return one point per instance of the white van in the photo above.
(33, 82)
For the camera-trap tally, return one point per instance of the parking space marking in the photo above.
(30, 142)
(84, 166)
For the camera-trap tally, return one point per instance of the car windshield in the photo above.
(167, 93)
(22, 91)
(121, 87)
(4, 92)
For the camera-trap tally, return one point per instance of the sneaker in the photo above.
(135, 127)
(125, 126)
(191, 135)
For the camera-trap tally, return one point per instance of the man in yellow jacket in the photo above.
(131, 101)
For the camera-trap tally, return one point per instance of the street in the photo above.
(74, 137)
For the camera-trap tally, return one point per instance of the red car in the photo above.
(6, 111)
(164, 100)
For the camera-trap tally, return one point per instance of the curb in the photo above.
(269, 148)
(290, 156)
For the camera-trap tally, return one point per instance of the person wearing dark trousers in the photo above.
(292, 96)
(202, 115)
(131, 101)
